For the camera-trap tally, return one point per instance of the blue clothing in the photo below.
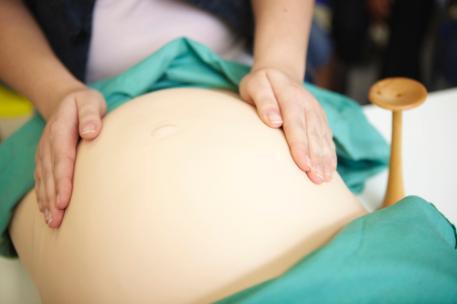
(320, 50)
(447, 51)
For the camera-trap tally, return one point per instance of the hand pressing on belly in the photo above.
(77, 116)
(281, 101)
(275, 84)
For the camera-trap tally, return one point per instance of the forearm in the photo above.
(281, 35)
(27, 63)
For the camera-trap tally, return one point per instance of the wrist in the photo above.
(291, 72)
(58, 94)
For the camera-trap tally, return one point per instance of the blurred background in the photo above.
(353, 43)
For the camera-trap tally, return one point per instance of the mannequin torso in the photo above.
(185, 197)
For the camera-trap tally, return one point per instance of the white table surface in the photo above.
(429, 152)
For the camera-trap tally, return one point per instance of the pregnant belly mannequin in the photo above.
(185, 197)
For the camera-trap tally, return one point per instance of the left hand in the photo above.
(282, 101)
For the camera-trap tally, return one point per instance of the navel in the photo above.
(164, 131)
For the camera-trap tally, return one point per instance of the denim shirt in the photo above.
(67, 24)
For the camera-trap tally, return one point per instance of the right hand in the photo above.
(78, 115)
(303, 120)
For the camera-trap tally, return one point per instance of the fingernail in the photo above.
(274, 118)
(318, 174)
(307, 161)
(47, 216)
(90, 128)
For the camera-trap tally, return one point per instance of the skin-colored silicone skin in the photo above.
(185, 197)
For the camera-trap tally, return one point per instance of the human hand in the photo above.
(78, 115)
(281, 101)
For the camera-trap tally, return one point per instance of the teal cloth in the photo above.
(361, 150)
(402, 254)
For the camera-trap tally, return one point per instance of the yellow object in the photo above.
(396, 94)
(13, 105)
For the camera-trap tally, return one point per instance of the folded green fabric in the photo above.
(362, 151)
(402, 254)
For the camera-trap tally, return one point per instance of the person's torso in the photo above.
(68, 26)
(125, 32)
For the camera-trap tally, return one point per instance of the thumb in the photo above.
(91, 108)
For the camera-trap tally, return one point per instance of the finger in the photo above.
(293, 112)
(43, 204)
(331, 161)
(63, 173)
(91, 108)
(56, 216)
(259, 90)
(295, 132)
(330, 142)
(314, 127)
(38, 181)
(53, 214)
(48, 181)
(46, 213)
(329, 153)
(44, 172)
(319, 152)
(63, 145)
